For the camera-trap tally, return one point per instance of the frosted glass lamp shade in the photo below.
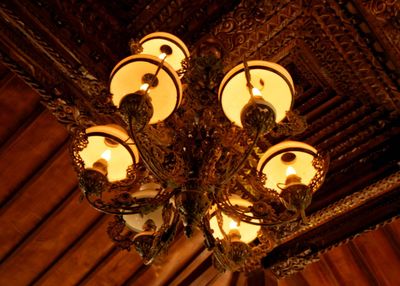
(136, 221)
(152, 45)
(288, 158)
(127, 77)
(110, 143)
(248, 232)
(273, 83)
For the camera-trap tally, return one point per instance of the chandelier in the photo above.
(186, 143)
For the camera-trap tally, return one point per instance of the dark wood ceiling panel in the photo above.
(186, 274)
(36, 201)
(82, 257)
(179, 255)
(122, 262)
(224, 279)
(66, 226)
(14, 111)
(14, 168)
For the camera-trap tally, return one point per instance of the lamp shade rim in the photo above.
(145, 63)
(283, 147)
(270, 66)
(278, 92)
(116, 134)
(169, 37)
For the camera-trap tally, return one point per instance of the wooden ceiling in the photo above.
(344, 58)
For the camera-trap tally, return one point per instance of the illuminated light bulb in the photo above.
(101, 165)
(290, 171)
(291, 177)
(144, 86)
(255, 91)
(106, 155)
(162, 56)
(234, 233)
(233, 224)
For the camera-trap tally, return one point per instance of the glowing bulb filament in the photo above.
(233, 225)
(290, 171)
(106, 155)
(144, 86)
(162, 56)
(256, 91)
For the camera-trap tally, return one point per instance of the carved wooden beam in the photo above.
(301, 244)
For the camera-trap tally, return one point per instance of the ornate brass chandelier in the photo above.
(183, 146)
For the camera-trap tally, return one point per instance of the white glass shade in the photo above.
(273, 165)
(120, 154)
(248, 232)
(136, 221)
(126, 78)
(153, 42)
(273, 82)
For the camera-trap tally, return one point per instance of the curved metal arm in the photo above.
(240, 164)
(125, 204)
(148, 159)
(162, 238)
(263, 212)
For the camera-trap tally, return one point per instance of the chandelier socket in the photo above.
(238, 252)
(257, 115)
(143, 243)
(136, 109)
(297, 197)
(92, 182)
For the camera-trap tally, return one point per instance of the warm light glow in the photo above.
(144, 86)
(256, 91)
(233, 224)
(162, 56)
(269, 81)
(106, 155)
(290, 171)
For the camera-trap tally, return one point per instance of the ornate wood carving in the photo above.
(311, 254)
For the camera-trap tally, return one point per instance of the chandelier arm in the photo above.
(164, 236)
(220, 223)
(149, 204)
(157, 171)
(119, 233)
(240, 164)
(225, 205)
